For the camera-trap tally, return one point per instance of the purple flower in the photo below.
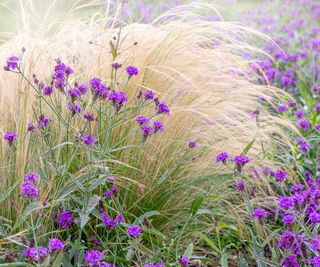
(163, 108)
(222, 157)
(132, 71)
(280, 175)
(184, 261)
(108, 194)
(315, 261)
(288, 219)
(116, 65)
(105, 264)
(74, 94)
(88, 139)
(82, 89)
(31, 127)
(134, 230)
(92, 257)
(241, 160)
(259, 213)
(29, 190)
(111, 179)
(31, 177)
(299, 114)
(290, 261)
(192, 144)
(74, 108)
(65, 219)
(32, 254)
(142, 120)
(43, 121)
(98, 89)
(300, 140)
(304, 125)
(240, 186)
(55, 244)
(158, 127)
(119, 218)
(12, 63)
(48, 90)
(89, 116)
(148, 94)
(61, 74)
(10, 137)
(304, 148)
(314, 217)
(296, 188)
(317, 126)
(118, 99)
(286, 203)
(282, 108)
(108, 221)
(146, 131)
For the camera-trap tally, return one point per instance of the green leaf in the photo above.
(85, 214)
(248, 147)
(58, 261)
(242, 261)
(5, 194)
(224, 260)
(196, 205)
(209, 242)
(100, 181)
(188, 252)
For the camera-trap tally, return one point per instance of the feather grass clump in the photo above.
(196, 66)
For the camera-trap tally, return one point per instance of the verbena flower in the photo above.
(12, 63)
(317, 126)
(184, 261)
(105, 264)
(280, 175)
(89, 116)
(300, 140)
(29, 190)
(108, 221)
(297, 187)
(132, 71)
(146, 131)
(43, 121)
(118, 99)
(222, 157)
(98, 89)
(92, 257)
(240, 185)
(241, 160)
(55, 244)
(134, 230)
(119, 218)
(88, 139)
(31, 177)
(158, 127)
(74, 108)
(192, 144)
(259, 213)
(304, 125)
(61, 74)
(304, 148)
(163, 108)
(299, 114)
(10, 137)
(288, 219)
(74, 94)
(290, 261)
(33, 254)
(142, 120)
(65, 219)
(148, 94)
(82, 88)
(48, 90)
(282, 108)
(116, 65)
(286, 203)
(31, 127)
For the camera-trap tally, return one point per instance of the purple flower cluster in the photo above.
(61, 74)
(28, 187)
(65, 219)
(134, 230)
(12, 63)
(146, 129)
(10, 137)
